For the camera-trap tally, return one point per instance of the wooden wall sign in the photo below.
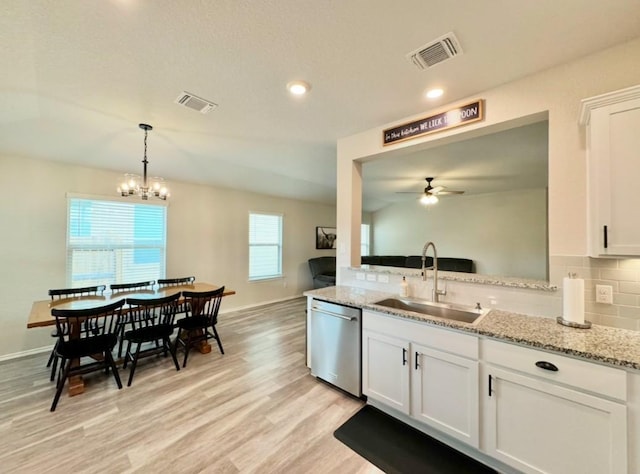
(462, 115)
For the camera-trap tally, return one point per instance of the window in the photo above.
(114, 242)
(365, 239)
(265, 246)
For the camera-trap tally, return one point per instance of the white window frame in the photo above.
(365, 240)
(276, 272)
(121, 272)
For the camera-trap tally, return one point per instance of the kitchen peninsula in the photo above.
(515, 391)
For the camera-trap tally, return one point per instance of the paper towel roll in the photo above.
(573, 300)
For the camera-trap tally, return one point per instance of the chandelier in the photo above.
(131, 183)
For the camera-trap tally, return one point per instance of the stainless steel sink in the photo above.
(450, 311)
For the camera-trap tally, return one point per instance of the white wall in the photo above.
(503, 233)
(207, 236)
(555, 93)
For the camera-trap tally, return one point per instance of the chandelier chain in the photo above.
(131, 184)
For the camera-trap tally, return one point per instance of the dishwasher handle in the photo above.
(329, 313)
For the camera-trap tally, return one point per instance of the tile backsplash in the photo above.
(623, 275)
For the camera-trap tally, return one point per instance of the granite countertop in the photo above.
(462, 277)
(618, 347)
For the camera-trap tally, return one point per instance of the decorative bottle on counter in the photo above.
(404, 287)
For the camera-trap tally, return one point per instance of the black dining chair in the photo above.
(139, 286)
(201, 316)
(167, 282)
(118, 288)
(86, 333)
(64, 293)
(151, 321)
(164, 282)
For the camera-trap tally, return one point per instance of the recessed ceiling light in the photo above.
(434, 93)
(298, 87)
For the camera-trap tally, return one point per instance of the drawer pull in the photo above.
(543, 364)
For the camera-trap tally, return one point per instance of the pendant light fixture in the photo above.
(132, 184)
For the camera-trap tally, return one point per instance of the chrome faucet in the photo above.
(436, 292)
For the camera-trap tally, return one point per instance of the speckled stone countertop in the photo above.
(462, 277)
(618, 347)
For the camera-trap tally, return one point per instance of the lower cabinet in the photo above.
(444, 392)
(540, 418)
(532, 410)
(411, 373)
(385, 369)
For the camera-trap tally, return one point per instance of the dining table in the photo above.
(40, 315)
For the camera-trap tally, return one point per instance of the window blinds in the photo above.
(114, 242)
(265, 246)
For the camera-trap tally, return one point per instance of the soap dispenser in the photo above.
(404, 287)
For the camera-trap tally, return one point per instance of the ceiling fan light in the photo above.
(428, 199)
(298, 87)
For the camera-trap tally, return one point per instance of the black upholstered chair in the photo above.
(64, 293)
(151, 321)
(201, 320)
(323, 271)
(86, 333)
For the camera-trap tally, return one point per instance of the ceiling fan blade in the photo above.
(442, 193)
(409, 192)
(437, 189)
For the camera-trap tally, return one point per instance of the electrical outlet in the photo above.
(383, 278)
(371, 277)
(359, 276)
(604, 294)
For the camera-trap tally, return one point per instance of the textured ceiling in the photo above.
(79, 75)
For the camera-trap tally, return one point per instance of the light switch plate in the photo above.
(383, 278)
(371, 277)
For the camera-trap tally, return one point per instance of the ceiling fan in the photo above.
(431, 193)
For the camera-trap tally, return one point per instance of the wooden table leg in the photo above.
(76, 383)
(204, 347)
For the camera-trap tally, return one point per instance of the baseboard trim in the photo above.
(27, 353)
(262, 303)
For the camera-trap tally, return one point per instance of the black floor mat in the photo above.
(398, 448)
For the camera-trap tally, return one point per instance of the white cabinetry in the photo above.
(546, 413)
(428, 373)
(613, 141)
(385, 369)
(444, 392)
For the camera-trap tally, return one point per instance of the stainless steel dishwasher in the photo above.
(336, 345)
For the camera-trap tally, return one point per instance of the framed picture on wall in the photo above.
(326, 238)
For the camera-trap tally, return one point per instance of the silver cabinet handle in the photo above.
(329, 313)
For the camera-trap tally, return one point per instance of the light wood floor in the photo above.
(254, 409)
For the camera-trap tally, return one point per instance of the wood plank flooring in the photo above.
(255, 409)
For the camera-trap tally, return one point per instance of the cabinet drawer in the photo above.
(588, 376)
(426, 334)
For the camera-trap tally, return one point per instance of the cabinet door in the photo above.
(385, 369)
(539, 427)
(444, 393)
(613, 181)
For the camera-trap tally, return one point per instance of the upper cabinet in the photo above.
(613, 152)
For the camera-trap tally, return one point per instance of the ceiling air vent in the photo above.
(443, 48)
(196, 103)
